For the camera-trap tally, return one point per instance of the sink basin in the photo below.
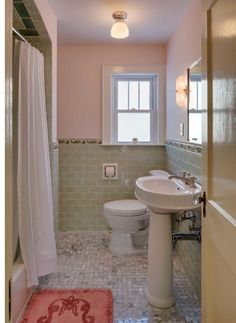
(163, 195)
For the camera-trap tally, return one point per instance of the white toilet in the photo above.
(129, 221)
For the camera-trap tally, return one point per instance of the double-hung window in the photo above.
(133, 105)
(134, 108)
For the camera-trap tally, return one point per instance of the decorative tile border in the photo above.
(194, 148)
(83, 141)
(98, 141)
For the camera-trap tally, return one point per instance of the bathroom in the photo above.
(91, 167)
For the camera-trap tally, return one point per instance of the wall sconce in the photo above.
(181, 92)
(119, 29)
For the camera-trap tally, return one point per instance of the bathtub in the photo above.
(20, 293)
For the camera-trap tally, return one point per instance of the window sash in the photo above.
(152, 104)
(150, 80)
(197, 102)
(150, 112)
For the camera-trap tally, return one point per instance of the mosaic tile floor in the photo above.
(84, 261)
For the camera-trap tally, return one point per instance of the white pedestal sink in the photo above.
(163, 197)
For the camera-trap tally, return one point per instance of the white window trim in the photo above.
(152, 78)
(107, 117)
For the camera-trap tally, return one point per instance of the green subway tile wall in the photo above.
(82, 191)
(55, 185)
(179, 160)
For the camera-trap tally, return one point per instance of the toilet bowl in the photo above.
(129, 221)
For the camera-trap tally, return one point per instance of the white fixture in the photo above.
(119, 29)
(129, 221)
(110, 170)
(160, 173)
(163, 197)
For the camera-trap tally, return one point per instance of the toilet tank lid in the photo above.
(126, 207)
(158, 172)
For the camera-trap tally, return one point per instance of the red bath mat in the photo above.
(69, 306)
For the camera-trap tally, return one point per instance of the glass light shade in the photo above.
(181, 92)
(119, 30)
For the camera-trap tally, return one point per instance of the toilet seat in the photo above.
(125, 208)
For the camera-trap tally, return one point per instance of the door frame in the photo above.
(8, 158)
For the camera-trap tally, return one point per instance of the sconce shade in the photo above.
(181, 92)
(119, 29)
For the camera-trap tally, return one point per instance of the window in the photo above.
(195, 108)
(134, 108)
(195, 93)
(133, 105)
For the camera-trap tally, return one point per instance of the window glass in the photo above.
(193, 95)
(123, 95)
(144, 95)
(195, 130)
(133, 95)
(195, 101)
(133, 125)
(199, 92)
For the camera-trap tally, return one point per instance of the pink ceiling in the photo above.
(90, 21)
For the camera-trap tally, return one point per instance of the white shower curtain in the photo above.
(36, 232)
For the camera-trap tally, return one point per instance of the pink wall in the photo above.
(183, 49)
(50, 22)
(79, 82)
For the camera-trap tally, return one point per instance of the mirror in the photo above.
(195, 102)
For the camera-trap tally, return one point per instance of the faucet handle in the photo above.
(192, 181)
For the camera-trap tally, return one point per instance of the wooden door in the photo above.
(219, 162)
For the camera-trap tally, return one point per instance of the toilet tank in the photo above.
(158, 172)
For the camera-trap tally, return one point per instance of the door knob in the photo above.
(198, 199)
(202, 199)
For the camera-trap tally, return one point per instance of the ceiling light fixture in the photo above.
(119, 29)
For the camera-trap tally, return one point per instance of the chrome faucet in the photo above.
(192, 180)
(186, 178)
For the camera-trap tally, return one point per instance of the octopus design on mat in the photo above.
(76, 305)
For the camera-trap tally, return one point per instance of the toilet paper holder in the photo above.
(110, 170)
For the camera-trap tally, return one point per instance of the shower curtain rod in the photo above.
(18, 34)
(23, 38)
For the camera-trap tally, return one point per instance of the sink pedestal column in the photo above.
(160, 261)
